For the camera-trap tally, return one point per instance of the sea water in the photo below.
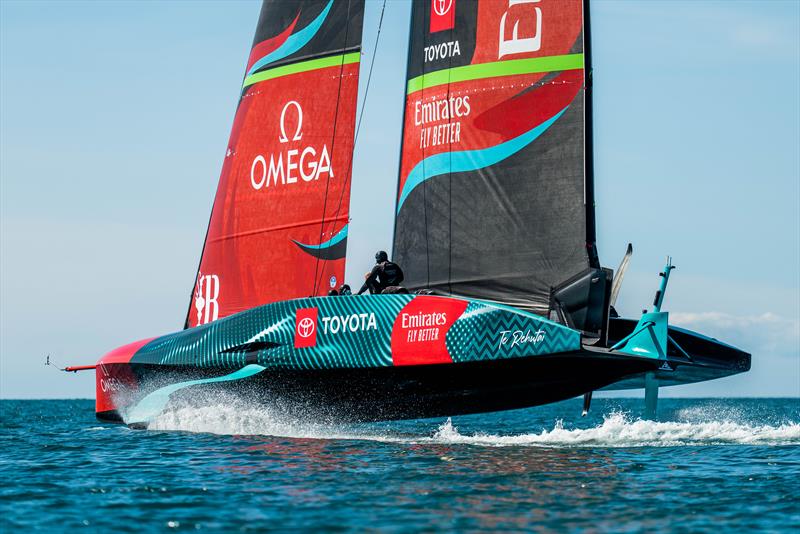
(706, 465)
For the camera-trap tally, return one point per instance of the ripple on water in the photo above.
(709, 464)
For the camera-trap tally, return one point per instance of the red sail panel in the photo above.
(491, 188)
(279, 222)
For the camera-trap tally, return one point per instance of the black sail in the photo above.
(494, 199)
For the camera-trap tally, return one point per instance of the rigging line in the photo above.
(369, 75)
(358, 123)
(450, 177)
(50, 363)
(333, 143)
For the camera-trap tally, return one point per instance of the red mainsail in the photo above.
(278, 227)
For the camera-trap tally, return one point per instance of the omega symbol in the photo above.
(283, 138)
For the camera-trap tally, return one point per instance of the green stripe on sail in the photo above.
(495, 69)
(303, 66)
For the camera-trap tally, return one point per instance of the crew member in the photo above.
(384, 274)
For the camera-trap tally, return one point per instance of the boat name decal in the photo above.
(518, 337)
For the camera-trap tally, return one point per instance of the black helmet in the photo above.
(381, 256)
(333, 293)
(345, 290)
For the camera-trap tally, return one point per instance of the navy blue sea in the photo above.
(707, 465)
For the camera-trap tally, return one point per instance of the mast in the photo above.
(588, 98)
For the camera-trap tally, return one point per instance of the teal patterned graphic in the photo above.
(351, 332)
(215, 344)
(489, 332)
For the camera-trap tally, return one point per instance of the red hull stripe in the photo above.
(124, 353)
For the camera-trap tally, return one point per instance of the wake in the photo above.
(616, 430)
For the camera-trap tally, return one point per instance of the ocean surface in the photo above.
(707, 465)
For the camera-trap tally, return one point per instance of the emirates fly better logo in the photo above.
(305, 328)
(443, 15)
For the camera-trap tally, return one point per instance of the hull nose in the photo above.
(115, 381)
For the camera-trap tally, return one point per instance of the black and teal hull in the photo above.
(365, 358)
(690, 357)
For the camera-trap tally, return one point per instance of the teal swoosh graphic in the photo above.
(152, 404)
(470, 160)
(340, 235)
(294, 42)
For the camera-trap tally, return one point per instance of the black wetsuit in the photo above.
(383, 275)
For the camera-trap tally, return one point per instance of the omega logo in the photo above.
(285, 167)
(298, 134)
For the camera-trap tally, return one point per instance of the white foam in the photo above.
(616, 430)
(229, 415)
(229, 420)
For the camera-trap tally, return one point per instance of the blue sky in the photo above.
(114, 119)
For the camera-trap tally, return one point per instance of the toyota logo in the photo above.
(442, 7)
(305, 327)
